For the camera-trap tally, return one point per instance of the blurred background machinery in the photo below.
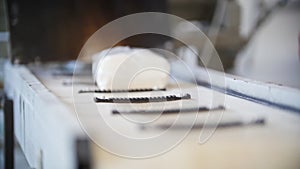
(56, 31)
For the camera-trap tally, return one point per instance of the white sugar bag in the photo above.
(123, 68)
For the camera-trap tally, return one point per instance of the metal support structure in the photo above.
(9, 134)
(83, 154)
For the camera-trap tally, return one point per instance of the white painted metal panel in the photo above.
(46, 125)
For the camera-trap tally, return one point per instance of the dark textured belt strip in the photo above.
(170, 111)
(120, 91)
(258, 121)
(142, 99)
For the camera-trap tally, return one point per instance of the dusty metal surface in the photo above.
(47, 126)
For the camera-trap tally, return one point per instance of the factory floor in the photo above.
(20, 161)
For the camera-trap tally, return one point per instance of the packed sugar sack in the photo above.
(125, 68)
